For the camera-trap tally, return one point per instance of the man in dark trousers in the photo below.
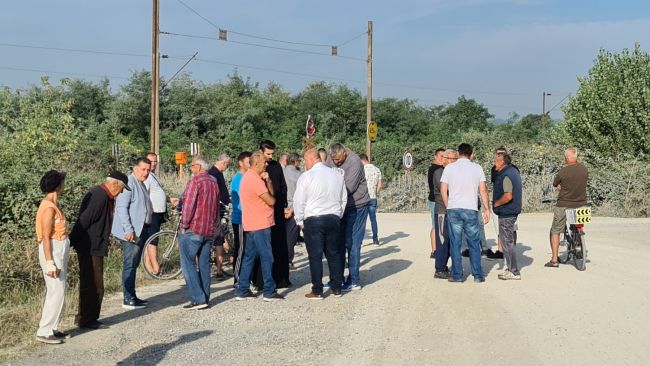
(89, 237)
(221, 165)
(278, 231)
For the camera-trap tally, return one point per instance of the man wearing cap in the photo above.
(133, 212)
(89, 237)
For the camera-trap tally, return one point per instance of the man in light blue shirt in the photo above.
(243, 161)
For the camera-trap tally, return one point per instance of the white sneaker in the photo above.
(507, 275)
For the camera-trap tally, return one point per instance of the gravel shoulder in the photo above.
(403, 315)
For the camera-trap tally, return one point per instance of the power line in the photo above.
(352, 39)
(129, 54)
(263, 46)
(62, 72)
(74, 50)
(251, 35)
(558, 103)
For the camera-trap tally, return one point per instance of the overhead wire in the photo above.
(61, 72)
(262, 45)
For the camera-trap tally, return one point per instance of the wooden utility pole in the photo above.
(369, 97)
(544, 94)
(155, 80)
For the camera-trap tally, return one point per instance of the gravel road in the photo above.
(403, 316)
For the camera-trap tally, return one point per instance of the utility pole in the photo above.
(369, 97)
(155, 79)
(543, 122)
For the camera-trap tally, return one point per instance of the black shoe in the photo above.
(443, 275)
(220, 276)
(273, 297)
(495, 255)
(451, 279)
(93, 325)
(194, 306)
(133, 304)
(61, 335)
(336, 293)
(142, 301)
(465, 253)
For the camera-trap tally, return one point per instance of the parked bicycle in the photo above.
(573, 237)
(168, 252)
(225, 230)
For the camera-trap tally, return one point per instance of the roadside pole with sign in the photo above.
(372, 131)
(181, 160)
(407, 160)
(310, 131)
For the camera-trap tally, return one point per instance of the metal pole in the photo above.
(544, 94)
(369, 97)
(155, 80)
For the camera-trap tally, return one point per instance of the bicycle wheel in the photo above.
(568, 239)
(580, 254)
(167, 254)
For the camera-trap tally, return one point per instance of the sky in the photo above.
(503, 53)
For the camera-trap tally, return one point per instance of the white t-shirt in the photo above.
(463, 178)
(373, 176)
(156, 193)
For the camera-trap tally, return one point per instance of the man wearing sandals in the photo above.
(571, 180)
(507, 206)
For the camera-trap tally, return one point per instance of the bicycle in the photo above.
(168, 252)
(225, 230)
(574, 236)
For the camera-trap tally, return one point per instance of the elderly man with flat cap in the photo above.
(89, 237)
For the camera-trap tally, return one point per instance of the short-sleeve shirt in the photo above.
(256, 214)
(373, 175)
(463, 178)
(235, 217)
(573, 186)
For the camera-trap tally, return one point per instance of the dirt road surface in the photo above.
(403, 316)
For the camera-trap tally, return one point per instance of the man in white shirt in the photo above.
(319, 203)
(159, 203)
(373, 179)
(459, 186)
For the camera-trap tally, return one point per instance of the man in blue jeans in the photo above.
(133, 212)
(353, 223)
(374, 182)
(199, 220)
(318, 203)
(460, 184)
(257, 200)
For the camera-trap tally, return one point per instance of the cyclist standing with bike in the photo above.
(571, 180)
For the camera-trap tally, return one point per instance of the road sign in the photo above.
(407, 160)
(195, 148)
(310, 126)
(372, 131)
(181, 158)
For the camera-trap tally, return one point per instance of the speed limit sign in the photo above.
(407, 160)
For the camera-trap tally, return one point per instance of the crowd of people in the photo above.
(272, 203)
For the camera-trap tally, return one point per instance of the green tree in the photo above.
(611, 110)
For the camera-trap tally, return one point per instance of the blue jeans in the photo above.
(464, 222)
(195, 247)
(321, 235)
(353, 228)
(481, 227)
(372, 213)
(258, 244)
(442, 246)
(132, 254)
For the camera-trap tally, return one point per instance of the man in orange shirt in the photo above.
(256, 197)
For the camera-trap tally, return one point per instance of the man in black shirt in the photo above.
(433, 191)
(222, 163)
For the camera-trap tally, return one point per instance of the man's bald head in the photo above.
(311, 157)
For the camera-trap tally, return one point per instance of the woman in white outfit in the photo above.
(53, 248)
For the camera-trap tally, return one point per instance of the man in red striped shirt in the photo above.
(198, 222)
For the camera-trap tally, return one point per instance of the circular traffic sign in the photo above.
(407, 160)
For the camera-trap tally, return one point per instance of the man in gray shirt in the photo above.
(353, 223)
(291, 174)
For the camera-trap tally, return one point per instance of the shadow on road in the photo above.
(152, 355)
(392, 237)
(382, 270)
